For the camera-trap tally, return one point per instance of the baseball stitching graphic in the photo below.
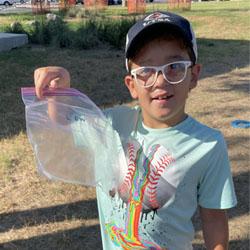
(162, 181)
(143, 190)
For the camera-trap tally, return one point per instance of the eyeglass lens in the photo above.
(173, 73)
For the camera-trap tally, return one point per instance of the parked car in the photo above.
(115, 2)
(7, 2)
(21, 1)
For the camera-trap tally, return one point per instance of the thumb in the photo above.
(55, 83)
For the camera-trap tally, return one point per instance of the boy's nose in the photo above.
(160, 80)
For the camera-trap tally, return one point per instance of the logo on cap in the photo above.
(155, 17)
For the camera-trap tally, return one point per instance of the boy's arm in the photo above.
(215, 228)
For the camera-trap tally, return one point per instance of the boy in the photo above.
(174, 163)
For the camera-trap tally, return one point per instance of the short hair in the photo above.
(159, 31)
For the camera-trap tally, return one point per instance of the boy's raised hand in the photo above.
(55, 77)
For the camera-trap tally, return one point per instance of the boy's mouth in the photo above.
(165, 97)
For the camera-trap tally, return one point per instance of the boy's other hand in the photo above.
(55, 77)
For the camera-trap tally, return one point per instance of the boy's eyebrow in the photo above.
(176, 57)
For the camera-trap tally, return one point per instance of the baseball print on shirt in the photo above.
(144, 187)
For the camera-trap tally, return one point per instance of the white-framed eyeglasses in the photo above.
(174, 72)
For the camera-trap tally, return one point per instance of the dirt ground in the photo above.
(36, 213)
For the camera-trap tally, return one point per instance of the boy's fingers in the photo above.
(55, 83)
(40, 83)
(43, 80)
(39, 88)
(54, 77)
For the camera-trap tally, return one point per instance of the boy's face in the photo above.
(163, 103)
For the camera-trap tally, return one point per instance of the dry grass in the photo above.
(39, 214)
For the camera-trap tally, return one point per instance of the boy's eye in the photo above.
(144, 71)
(176, 65)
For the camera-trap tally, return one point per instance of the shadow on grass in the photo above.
(242, 85)
(70, 211)
(84, 238)
(81, 238)
(241, 140)
(219, 56)
(233, 245)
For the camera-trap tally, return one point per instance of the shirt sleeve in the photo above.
(216, 189)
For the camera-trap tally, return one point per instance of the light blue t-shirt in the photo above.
(168, 172)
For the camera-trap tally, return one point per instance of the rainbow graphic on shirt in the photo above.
(128, 238)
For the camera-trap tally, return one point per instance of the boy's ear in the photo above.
(130, 83)
(196, 69)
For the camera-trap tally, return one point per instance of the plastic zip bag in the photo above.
(71, 138)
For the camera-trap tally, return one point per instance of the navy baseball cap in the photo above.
(161, 17)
